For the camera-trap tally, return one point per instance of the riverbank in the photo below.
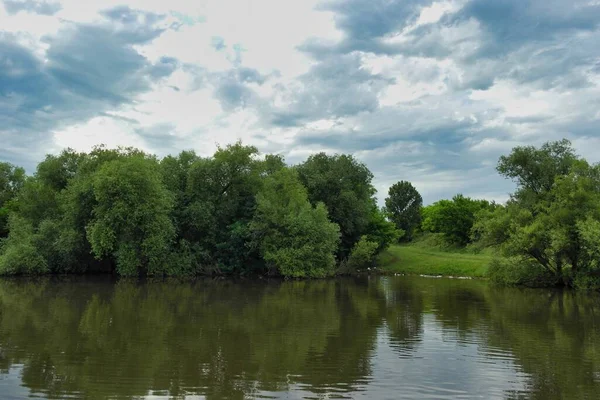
(417, 260)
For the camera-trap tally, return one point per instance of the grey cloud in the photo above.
(32, 6)
(366, 22)
(231, 87)
(233, 94)
(376, 18)
(334, 87)
(161, 137)
(134, 26)
(163, 68)
(513, 22)
(550, 44)
(89, 69)
(218, 43)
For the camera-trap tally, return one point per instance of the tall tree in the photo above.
(220, 202)
(343, 184)
(131, 219)
(403, 205)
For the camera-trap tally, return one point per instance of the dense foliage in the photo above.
(292, 235)
(550, 227)
(344, 185)
(11, 181)
(237, 212)
(125, 211)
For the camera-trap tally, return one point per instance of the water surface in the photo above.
(371, 338)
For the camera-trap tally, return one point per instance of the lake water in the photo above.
(371, 338)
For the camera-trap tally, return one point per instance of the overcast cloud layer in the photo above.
(425, 91)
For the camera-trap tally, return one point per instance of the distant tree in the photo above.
(403, 205)
(293, 236)
(454, 218)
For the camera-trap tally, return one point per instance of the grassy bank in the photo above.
(415, 259)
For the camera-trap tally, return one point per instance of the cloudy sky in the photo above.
(426, 91)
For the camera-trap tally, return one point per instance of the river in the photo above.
(361, 338)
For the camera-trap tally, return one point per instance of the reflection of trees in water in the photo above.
(554, 335)
(404, 315)
(219, 339)
(224, 339)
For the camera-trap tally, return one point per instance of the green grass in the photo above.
(418, 260)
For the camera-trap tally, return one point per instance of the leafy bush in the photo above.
(22, 259)
(587, 281)
(515, 271)
(363, 254)
(18, 255)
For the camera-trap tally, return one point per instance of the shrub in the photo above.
(363, 254)
(22, 259)
(515, 271)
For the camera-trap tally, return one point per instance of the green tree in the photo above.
(131, 219)
(535, 170)
(219, 205)
(12, 180)
(552, 216)
(57, 171)
(293, 236)
(403, 205)
(380, 230)
(343, 184)
(454, 218)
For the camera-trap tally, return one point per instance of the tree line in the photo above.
(237, 212)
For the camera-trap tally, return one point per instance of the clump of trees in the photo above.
(454, 219)
(237, 212)
(547, 233)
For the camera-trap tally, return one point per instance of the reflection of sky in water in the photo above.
(439, 366)
(10, 384)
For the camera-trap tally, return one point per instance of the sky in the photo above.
(431, 92)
